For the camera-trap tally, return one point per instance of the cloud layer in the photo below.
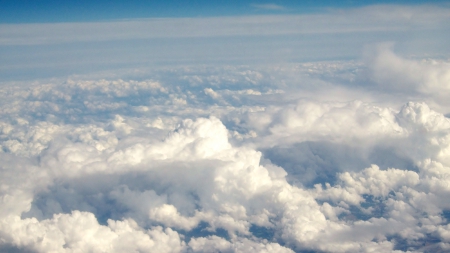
(233, 159)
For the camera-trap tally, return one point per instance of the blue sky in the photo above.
(26, 11)
(46, 39)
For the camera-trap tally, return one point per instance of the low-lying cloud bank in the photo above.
(232, 159)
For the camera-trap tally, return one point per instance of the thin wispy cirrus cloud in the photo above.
(273, 7)
(320, 131)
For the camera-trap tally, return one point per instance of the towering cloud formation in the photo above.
(393, 72)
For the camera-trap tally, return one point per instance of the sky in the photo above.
(48, 11)
(224, 126)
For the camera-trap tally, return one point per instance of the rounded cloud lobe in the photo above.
(230, 159)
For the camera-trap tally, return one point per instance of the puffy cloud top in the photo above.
(276, 158)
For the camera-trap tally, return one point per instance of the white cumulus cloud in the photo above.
(332, 155)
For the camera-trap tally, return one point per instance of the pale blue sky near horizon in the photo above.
(50, 39)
